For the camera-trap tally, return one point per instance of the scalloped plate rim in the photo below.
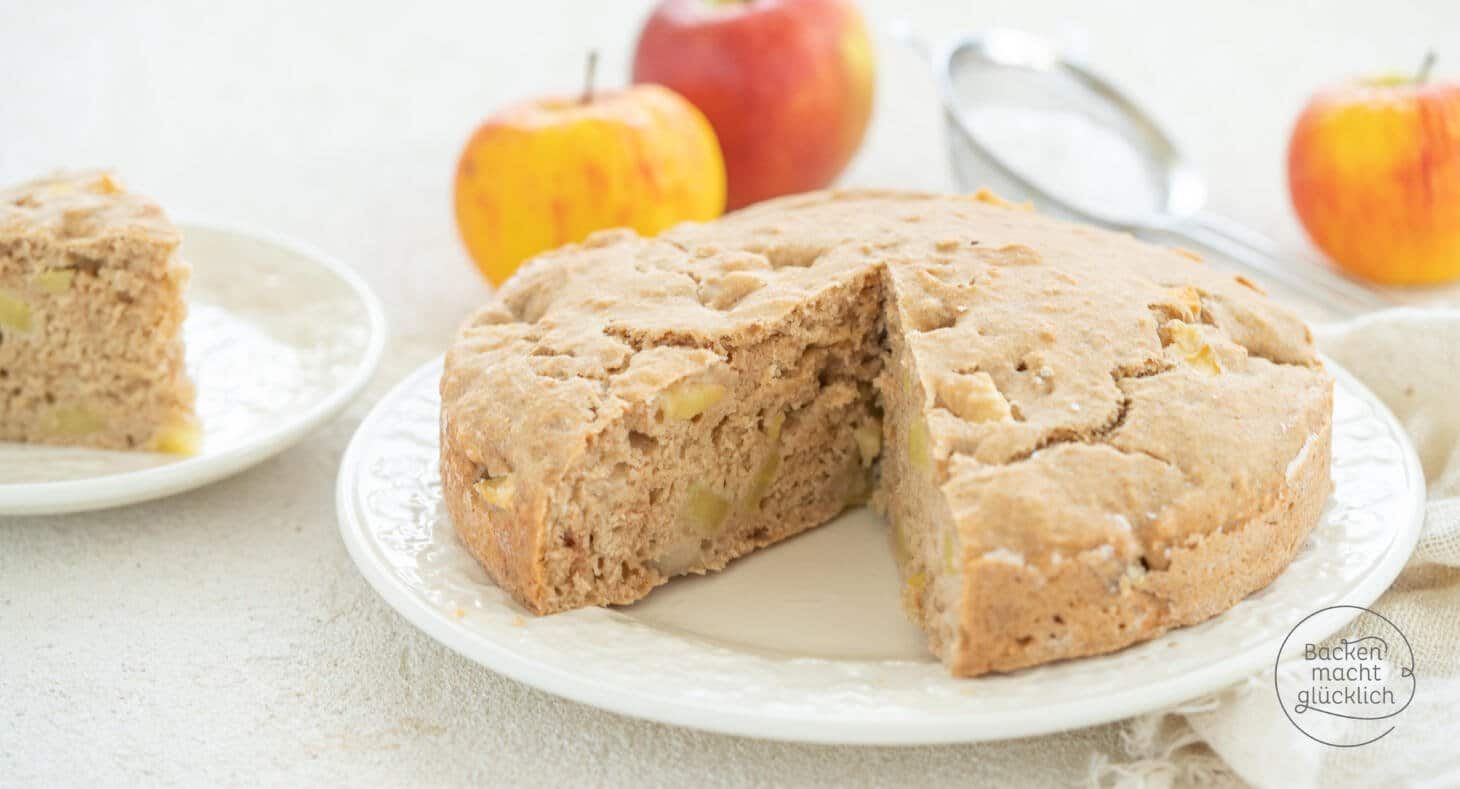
(933, 729)
(132, 487)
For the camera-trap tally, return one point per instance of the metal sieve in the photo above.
(1031, 122)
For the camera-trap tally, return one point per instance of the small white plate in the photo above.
(279, 338)
(807, 640)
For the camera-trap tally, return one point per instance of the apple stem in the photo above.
(588, 73)
(1425, 67)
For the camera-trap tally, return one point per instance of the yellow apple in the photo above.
(545, 173)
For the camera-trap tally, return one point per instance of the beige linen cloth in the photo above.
(1410, 358)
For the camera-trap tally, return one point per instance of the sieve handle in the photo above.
(1260, 255)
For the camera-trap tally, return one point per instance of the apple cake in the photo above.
(1079, 440)
(91, 312)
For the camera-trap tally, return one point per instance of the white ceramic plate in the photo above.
(279, 338)
(807, 641)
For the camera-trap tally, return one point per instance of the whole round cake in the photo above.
(1079, 440)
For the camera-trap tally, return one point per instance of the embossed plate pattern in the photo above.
(804, 641)
(278, 338)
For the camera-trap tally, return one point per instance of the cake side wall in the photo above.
(503, 539)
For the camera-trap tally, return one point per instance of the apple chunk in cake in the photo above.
(91, 312)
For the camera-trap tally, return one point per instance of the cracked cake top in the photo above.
(81, 208)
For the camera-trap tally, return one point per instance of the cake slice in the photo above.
(1079, 440)
(91, 313)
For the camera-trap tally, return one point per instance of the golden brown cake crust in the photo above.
(1083, 432)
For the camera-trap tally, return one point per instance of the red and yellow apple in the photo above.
(1374, 172)
(787, 84)
(545, 173)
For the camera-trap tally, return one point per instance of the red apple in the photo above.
(1374, 171)
(787, 85)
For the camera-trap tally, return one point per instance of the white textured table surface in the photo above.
(224, 635)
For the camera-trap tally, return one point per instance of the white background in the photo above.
(223, 635)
